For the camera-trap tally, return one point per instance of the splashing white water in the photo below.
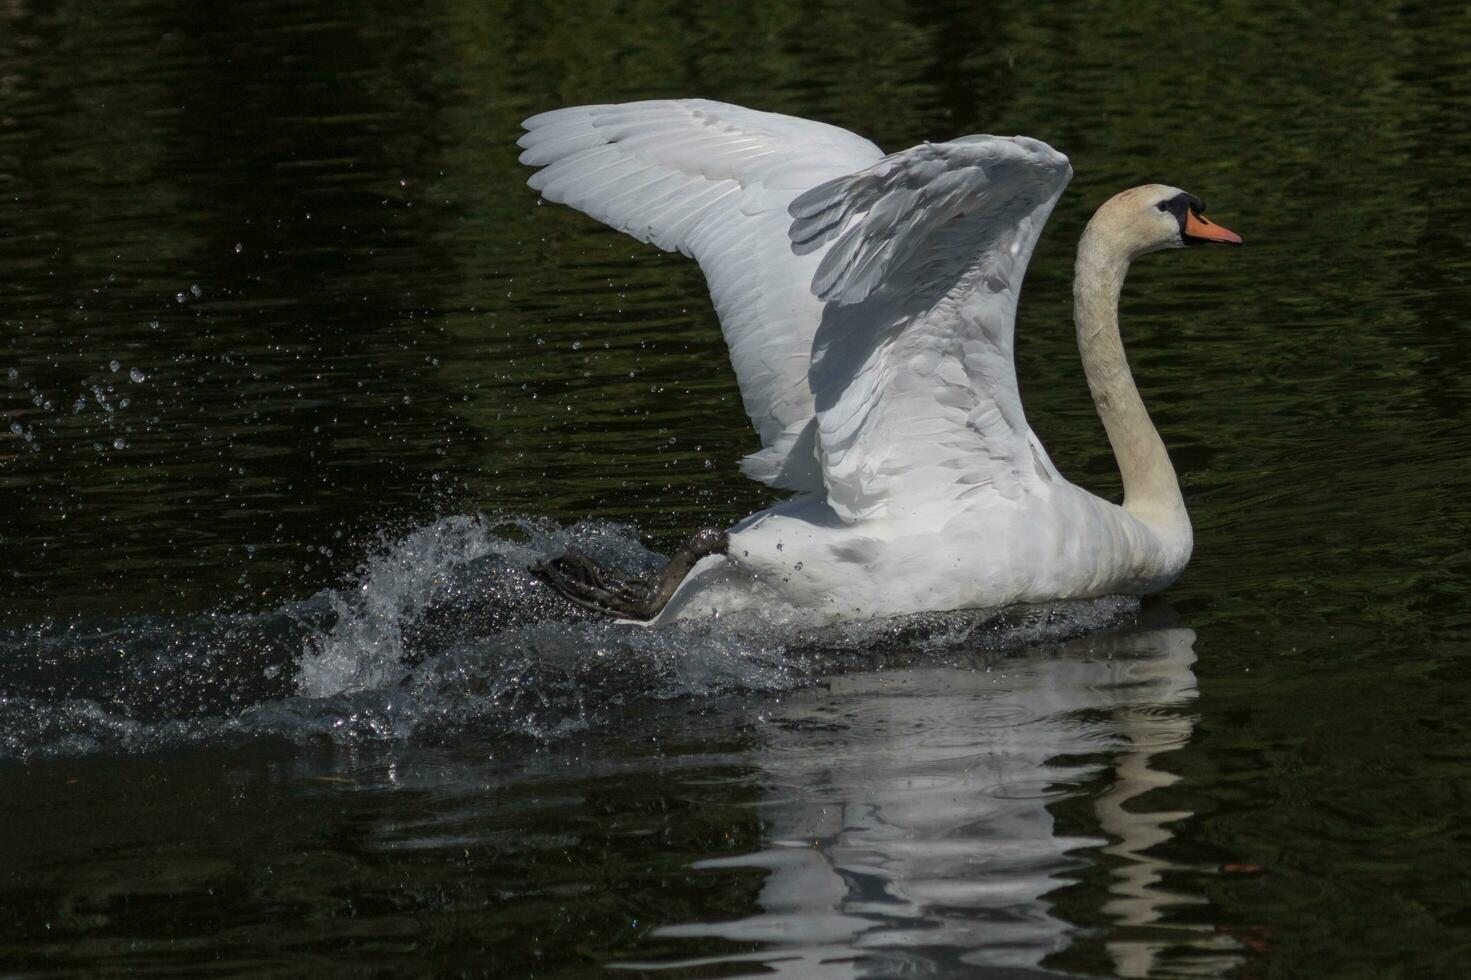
(441, 631)
(365, 649)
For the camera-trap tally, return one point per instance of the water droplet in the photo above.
(136, 376)
(118, 443)
(239, 248)
(196, 290)
(152, 324)
(12, 374)
(114, 366)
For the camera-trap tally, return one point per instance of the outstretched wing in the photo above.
(922, 259)
(714, 181)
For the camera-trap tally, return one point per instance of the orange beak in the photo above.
(1198, 229)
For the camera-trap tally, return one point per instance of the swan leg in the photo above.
(579, 579)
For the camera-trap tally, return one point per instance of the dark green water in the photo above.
(296, 374)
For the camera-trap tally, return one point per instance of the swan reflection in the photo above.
(909, 820)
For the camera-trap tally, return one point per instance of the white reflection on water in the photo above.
(909, 816)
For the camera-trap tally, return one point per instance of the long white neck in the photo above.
(1151, 489)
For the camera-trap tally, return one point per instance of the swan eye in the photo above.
(1183, 207)
(1179, 204)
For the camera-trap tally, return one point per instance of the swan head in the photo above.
(1156, 217)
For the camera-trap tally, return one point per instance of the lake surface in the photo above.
(296, 376)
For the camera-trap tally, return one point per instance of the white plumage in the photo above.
(713, 182)
(868, 302)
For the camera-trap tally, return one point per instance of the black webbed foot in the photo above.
(580, 580)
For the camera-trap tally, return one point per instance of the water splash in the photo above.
(440, 631)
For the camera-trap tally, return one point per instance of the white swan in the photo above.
(868, 302)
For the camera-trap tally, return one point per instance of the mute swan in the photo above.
(868, 304)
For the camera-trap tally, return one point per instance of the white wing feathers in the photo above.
(903, 199)
(867, 301)
(912, 372)
(713, 181)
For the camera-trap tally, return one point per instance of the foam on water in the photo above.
(440, 631)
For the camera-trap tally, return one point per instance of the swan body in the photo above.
(868, 302)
